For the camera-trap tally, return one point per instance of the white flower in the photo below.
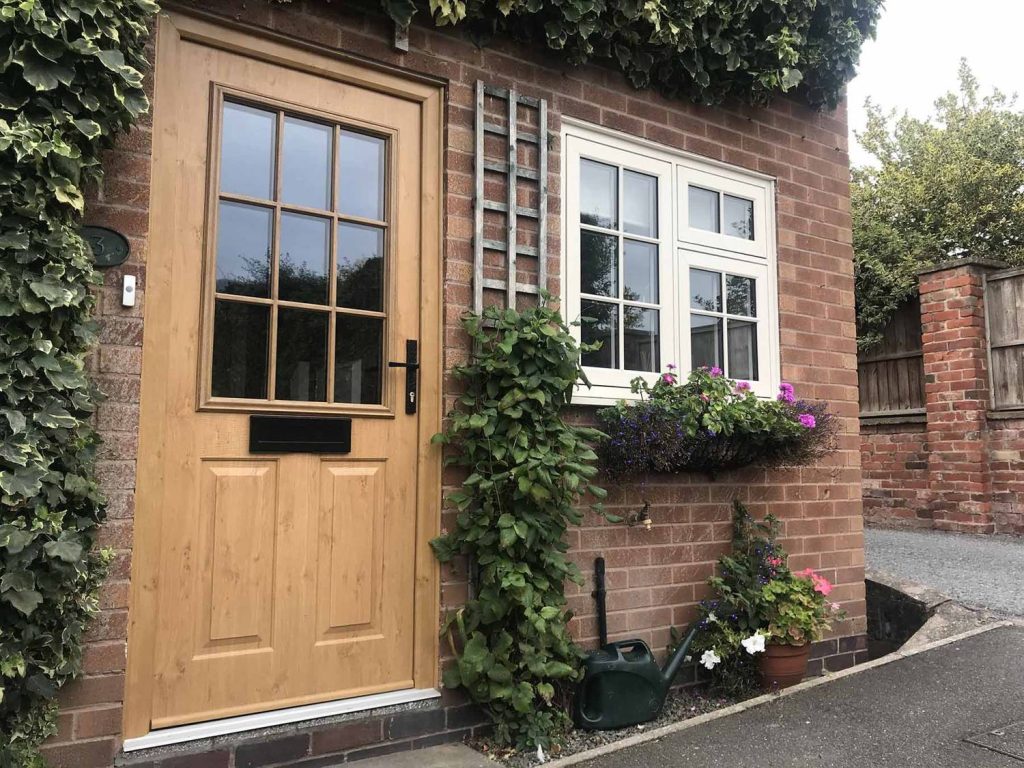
(710, 659)
(540, 754)
(754, 643)
(712, 618)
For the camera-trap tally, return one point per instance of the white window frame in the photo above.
(680, 247)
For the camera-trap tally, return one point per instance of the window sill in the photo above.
(912, 416)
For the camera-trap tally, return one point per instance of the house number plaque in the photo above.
(109, 248)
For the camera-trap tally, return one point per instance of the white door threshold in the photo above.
(183, 733)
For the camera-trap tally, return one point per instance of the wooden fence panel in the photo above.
(1004, 306)
(891, 374)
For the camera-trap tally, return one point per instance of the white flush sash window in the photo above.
(668, 260)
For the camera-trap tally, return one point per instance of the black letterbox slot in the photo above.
(299, 434)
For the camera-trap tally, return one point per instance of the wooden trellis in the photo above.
(507, 124)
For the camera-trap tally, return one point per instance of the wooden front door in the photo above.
(294, 253)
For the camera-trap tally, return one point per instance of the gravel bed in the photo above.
(680, 705)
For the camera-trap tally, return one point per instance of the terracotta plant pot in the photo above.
(781, 666)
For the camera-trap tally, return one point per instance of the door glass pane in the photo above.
(641, 339)
(600, 323)
(247, 151)
(301, 355)
(240, 333)
(358, 359)
(599, 194)
(742, 350)
(641, 271)
(705, 290)
(304, 258)
(361, 175)
(640, 204)
(599, 264)
(360, 267)
(306, 163)
(703, 204)
(739, 217)
(705, 341)
(243, 249)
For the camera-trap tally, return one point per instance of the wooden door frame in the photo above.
(174, 29)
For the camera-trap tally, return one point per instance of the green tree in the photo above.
(941, 188)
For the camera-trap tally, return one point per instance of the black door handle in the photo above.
(412, 366)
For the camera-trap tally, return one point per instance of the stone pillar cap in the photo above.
(967, 261)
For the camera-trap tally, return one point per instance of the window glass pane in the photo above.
(361, 175)
(640, 204)
(306, 163)
(641, 339)
(741, 298)
(599, 264)
(599, 194)
(247, 151)
(703, 204)
(641, 271)
(705, 341)
(360, 267)
(739, 217)
(301, 355)
(357, 361)
(240, 333)
(243, 249)
(742, 350)
(304, 258)
(705, 290)
(600, 323)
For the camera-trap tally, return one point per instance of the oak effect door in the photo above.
(294, 253)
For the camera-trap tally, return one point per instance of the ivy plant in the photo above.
(70, 80)
(707, 51)
(527, 470)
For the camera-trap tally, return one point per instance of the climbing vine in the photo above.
(527, 470)
(706, 51)
(70, 80)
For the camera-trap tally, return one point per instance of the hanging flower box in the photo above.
(710, 424)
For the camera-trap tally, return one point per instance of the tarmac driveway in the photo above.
(915, 712)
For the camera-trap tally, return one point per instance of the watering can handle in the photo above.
(631, 645)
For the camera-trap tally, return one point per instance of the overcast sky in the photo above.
(914, 58)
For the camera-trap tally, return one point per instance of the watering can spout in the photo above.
(676, 659)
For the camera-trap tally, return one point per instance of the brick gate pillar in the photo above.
(955, 350)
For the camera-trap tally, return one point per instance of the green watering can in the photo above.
(622, 685)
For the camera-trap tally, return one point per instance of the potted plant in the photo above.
(710, 423)
(764, 617)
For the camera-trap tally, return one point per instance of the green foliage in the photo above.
(710, 423)
(71, 80)
(706, 51)
(526, 472)
(937, 189)
(755, 592)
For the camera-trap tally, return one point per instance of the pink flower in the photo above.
(821, 584)
(742, 386)
(671, 366)
(715, 371)
(704, 397)
(668, 378)
(786, 393)
(774, 562)
(807, 420)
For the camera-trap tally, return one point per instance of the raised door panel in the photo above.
(237, 543)
(351, 549)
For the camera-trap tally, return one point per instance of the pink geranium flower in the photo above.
(742, 386)
(668, 378)
(786, 393)
(807, 420)
(821, 584)
(715, 371)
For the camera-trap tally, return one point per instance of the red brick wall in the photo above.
(894, 460)
(654, 577)
(962, 469)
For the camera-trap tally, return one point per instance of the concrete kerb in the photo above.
(642, 738)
